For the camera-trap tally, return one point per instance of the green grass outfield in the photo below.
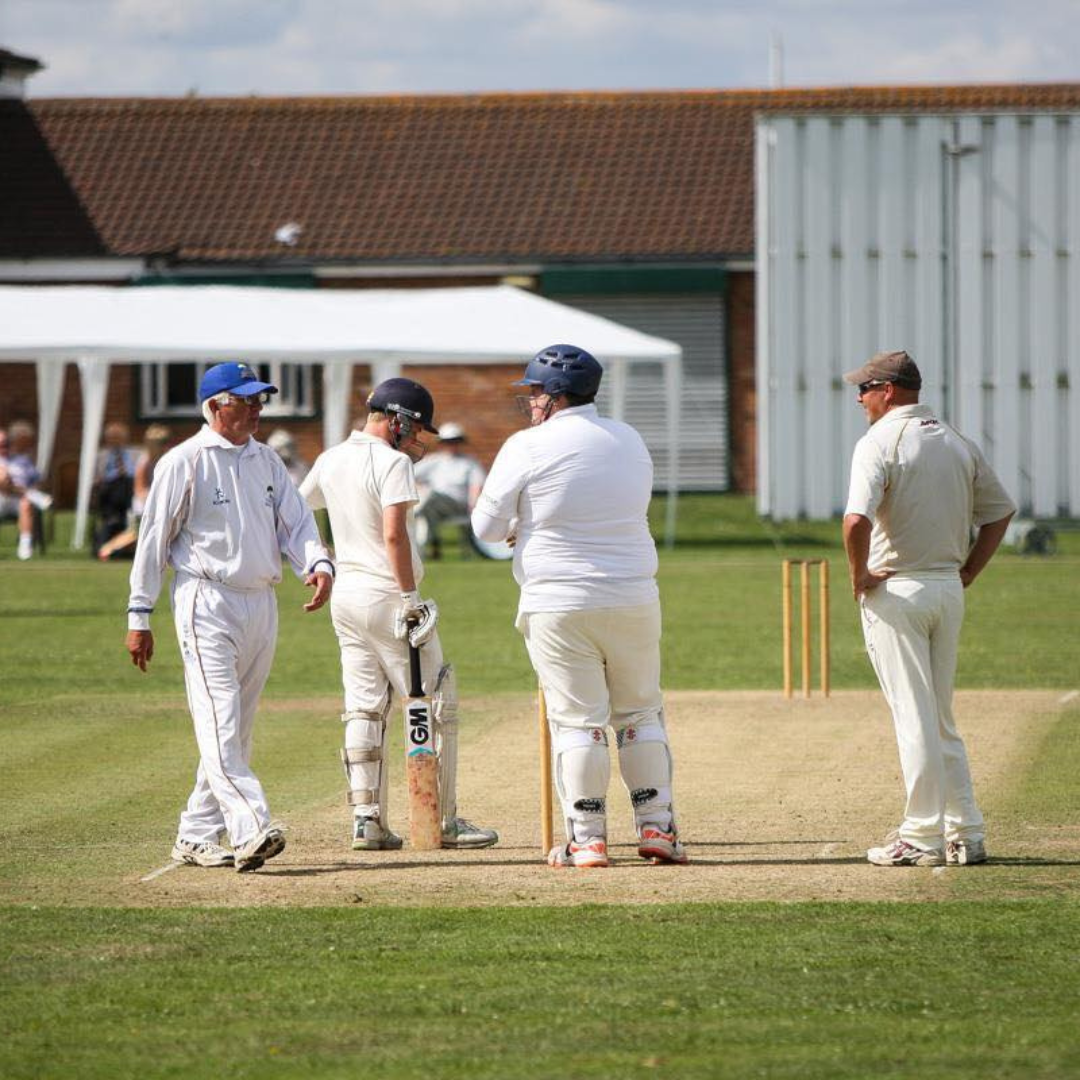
(962, 988)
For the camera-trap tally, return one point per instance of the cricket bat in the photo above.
(421, 764)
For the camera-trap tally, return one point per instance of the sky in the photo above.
(275, 47)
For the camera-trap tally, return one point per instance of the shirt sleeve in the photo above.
(497, 507)
(162, 519)
(297, 533)
(867, 487)
(399, 484)
(991, 500)
(310, 490)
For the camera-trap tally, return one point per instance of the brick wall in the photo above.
(741, 315)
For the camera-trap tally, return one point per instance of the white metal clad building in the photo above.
(956, 237)
(696, 322)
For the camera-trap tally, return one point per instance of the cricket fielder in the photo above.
(918, 489)
(573, 491)
(367, 486)
(220, 512)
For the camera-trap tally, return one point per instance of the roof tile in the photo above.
(486, 177)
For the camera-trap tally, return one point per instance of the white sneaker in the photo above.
(897, 852)
(661, 847)
(590, 856)
(369, 835)
(25, 549)
(460, 833)
(39, 499)
(205, 853)
(262, 846)
(965, 852)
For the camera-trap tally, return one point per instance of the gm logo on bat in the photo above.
(419, 728)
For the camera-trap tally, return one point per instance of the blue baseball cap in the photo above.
(239, 379)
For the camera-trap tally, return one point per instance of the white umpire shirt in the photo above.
(355, 481)
(579, 487)
(224, 513)
(923, 485)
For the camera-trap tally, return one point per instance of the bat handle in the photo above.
(416, 683)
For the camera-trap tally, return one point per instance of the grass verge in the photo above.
(804, 990)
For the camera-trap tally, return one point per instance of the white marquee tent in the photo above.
(95, 327)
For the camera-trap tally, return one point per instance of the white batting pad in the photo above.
(645, 764)
(582, 774)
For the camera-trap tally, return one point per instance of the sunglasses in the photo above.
(251, 399)
(865, 387)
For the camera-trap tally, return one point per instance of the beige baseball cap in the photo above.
(895, 367)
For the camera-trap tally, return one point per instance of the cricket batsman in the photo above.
(367, 486)
(573, 491)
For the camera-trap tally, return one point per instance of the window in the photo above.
(173, 389)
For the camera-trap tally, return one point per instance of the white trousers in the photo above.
(227, 639)
(598, 668)
(374, 661)
(912, 631)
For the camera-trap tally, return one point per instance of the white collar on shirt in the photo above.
(573, 410)
(207, 436)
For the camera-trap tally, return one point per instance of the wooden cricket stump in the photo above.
(805, 619)
(547, 835)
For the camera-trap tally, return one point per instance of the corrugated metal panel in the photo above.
(956, 237)
(695, 322)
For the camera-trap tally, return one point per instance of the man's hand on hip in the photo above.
(140, 644)
(323, 583)
(866, 582)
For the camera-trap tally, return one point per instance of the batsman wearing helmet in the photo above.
(574, 490)
(368, 488)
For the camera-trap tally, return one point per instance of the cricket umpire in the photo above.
(368, 488)
(918, 489)
(573, 492)
(220, 512)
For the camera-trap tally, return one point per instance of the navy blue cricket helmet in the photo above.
(563, 369)
(406, 398)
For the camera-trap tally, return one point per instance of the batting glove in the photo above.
(423, 613)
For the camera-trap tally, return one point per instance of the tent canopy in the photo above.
(96, 326)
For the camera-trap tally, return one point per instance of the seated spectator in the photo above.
(155, 443)
(282, 441)
(20, 496)
(114, 484)
(448, 482)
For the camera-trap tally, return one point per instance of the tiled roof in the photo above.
(473, 178)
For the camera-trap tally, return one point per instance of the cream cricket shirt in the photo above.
(355, 481)
(579, 487)
(923, 485)
(224, 513)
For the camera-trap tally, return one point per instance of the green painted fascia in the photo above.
(608, 279)
(272, 281)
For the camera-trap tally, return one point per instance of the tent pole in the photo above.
(94, 377)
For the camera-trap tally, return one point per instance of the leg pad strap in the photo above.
(362, 796)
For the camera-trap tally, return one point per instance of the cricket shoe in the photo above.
(965, 852)
(204, 853)
(899, 852)
(589, 856)
(262, 846)
(369, 835)
(460, 833)
(661, 847)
